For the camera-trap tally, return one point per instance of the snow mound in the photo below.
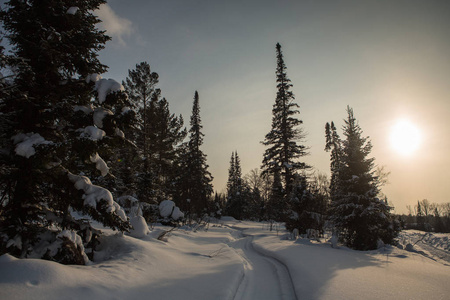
(29, 272)
(165, 208)
(177, 213)
(25, 143)
(168, 209)
(140, 227)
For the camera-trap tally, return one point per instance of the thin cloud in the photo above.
(117, 27)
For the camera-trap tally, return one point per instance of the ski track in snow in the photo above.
(424, 244)
(264, 277)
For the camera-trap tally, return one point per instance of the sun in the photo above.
(405, 137)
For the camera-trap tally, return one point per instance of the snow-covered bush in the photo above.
(139, 227)
(132, 207)
(169, 212)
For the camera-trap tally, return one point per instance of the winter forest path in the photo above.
(264, 277)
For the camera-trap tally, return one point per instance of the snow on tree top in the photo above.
(104, 86)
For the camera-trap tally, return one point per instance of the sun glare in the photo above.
(405, 137)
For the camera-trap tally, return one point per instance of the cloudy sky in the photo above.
(389, 60)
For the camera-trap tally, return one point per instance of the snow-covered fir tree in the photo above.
(194, 184)
(57, 132)
(360, 218)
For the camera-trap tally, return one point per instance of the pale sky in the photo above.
(389, 60)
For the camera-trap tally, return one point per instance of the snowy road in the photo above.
(264, 277)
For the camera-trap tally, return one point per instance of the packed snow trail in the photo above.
(264, 277)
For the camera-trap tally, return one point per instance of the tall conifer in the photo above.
(196, 180)
(283, 152)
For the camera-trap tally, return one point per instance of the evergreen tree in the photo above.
(56, 131)
(231, 175)
(140, 86)
(165, 137)
(159, 135)
(195, 182)
(236, 206)
(283, 152)
(360, 218)
(333, 144)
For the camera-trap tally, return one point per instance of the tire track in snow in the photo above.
(264, 277)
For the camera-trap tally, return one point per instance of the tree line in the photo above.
(76, 147)
(427, 216)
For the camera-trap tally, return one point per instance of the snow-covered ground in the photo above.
(233, 260)
(435, 246)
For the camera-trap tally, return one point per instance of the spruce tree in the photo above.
(140, 86)
(235, 190)
(196, 180)
(361, 219)
(165, 137)
(57, 131)
(284, 151)
(333, 144)
(158, 137)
